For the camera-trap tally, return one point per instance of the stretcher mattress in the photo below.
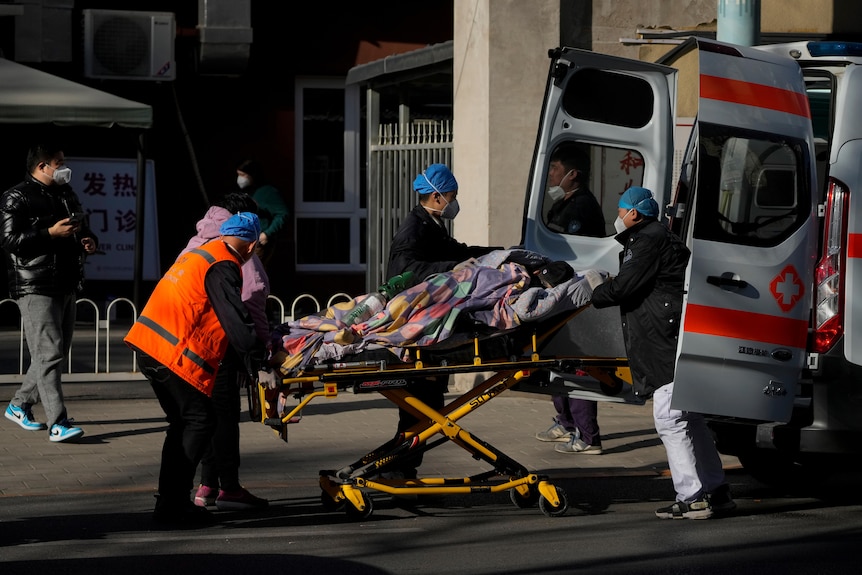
(492, 294)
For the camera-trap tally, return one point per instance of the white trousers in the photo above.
(695, 465)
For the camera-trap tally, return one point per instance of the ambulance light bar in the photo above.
(817, 49)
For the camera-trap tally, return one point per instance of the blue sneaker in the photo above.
(64, 431)
(23, 417)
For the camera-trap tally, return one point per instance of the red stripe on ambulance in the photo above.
(745, 325)
(758, 95)
(854, 246)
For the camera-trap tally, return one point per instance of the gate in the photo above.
(400, 152)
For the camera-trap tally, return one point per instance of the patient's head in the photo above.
(554, 273)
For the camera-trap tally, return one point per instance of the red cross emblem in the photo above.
(787, 288)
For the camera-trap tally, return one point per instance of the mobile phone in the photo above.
(76, 218)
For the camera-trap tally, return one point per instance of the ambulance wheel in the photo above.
(329, 504)
(549, 509)
(522, 502)
(356, 514)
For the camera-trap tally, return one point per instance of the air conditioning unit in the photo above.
(126, 45)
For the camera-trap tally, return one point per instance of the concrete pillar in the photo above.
(739, 22)
(500, 68)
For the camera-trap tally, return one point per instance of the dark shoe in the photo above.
(720, 500)
(180, 513)
(698, 509)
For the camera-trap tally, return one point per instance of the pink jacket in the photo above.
(255, 282)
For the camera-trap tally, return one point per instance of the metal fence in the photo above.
(98, 352)
(394, 158)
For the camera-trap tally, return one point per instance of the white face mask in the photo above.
(620, 224)
(243, 182)
(557, 192)
(62, 175)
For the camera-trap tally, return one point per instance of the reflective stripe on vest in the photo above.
(178, 326)
(174, 340)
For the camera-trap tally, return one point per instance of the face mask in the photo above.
(620, 224)
(557, 192)
(62, 175)
(243, 182)
(451, 210)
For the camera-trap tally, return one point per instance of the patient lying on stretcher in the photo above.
(501, 290)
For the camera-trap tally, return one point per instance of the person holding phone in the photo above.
(45, 237)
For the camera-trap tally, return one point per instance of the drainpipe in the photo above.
(739, 22)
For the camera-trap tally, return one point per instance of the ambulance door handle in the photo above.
(725, 282)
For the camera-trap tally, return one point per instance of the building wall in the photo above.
(500, 68)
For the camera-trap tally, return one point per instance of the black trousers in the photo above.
(220, 462)
(430, 392)
(190, 418)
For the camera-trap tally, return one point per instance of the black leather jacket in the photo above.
(36, 263)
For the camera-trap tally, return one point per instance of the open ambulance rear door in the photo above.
(620, 113)
(746, 207)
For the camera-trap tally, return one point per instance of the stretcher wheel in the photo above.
(549, 509)
(522, 502)
(330, 504)
(356, 514)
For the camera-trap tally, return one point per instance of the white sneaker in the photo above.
(556, 433)
(577, 445)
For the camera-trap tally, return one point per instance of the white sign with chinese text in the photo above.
(107, 189)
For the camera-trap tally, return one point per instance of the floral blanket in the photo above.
(494, 290)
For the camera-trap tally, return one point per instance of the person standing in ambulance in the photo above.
(649, 290)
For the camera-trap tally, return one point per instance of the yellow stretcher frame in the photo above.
(346, 488)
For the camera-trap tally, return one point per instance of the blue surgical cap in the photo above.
(435, 178)
(244, 225)
(639, 199)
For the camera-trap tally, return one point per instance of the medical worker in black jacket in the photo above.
(423, 246)
(649, 290)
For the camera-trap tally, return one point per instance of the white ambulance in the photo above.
(752, 153)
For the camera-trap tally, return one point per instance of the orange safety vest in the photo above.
(178, 327)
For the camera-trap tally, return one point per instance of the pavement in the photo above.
(124, 430)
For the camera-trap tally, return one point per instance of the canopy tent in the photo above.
(30, 96)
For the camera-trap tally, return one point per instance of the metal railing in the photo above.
(98, 352)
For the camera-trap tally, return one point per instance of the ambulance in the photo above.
(752, 153)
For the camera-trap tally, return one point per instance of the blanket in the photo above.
(494, 290)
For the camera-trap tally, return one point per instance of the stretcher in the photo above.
(512, 357)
